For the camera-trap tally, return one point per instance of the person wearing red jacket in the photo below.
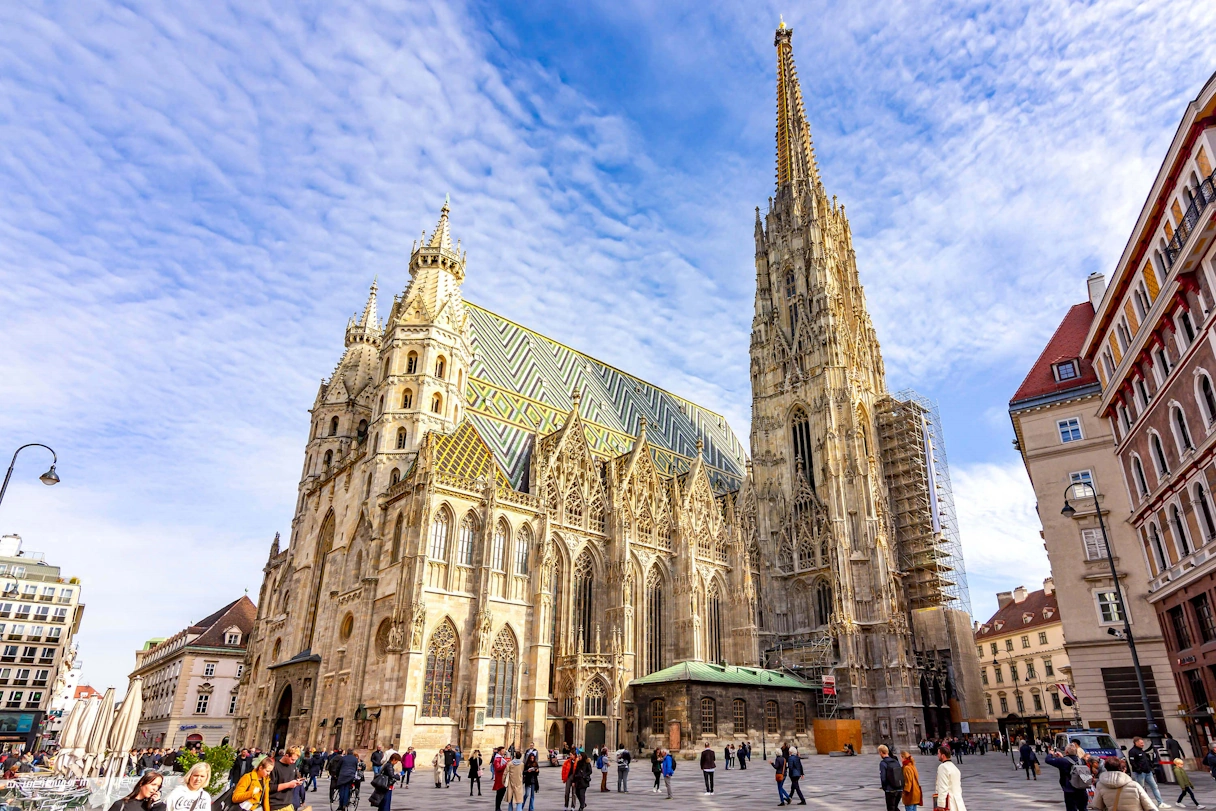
(498, 765)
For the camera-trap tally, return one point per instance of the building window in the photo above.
(709, 717)
(400, 439)
(437, 404)
(1181, 432)
(498, 552)
(333, 427)
(1066, 370)
(464, 544)
(802, 445)
(999, 673)
(1205, 512)
(240, 670)
(595, 702)
(657, 720)
(984, 675)
(1163, 468)
(1038, 702)
(208, 670)
(1009, 644)
(992, 645)
(232, 705)
(1030, 670)
(1070, 429)
(1004, 706)
(1025, 641)
(200, 707)
(1203, 613)
(1199, 693)
(411, 364)
(1091, 539)
(1042, 637)
(440, 673)
(1055, 701)
(1048, 668)
(521, 551)
(1021, 704)
(1013, 672)
(407, 399)
(1082, 481)
(500, 699)
(1182, 634)
(1108, 607)
(988, 701)
(771, 725)
(979, 651)
(740, 713)
(233, 638)
(799, 718)
(1180, 534)
(439, 536)
(394, 477)
(440, 367)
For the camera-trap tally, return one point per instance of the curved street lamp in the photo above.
(1154, 734)
(48, 478)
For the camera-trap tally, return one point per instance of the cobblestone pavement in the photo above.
(989, 784)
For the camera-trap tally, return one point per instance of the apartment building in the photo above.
(191, 679)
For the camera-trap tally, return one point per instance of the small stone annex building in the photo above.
(496, 534)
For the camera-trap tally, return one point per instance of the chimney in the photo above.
(1003, 598)
(1019, 594)
(1097, 288)
(10, 545)
(1049, 586)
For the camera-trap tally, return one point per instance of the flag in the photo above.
(1067, 691)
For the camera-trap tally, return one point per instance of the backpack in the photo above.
(1080, 777)
(895, 774)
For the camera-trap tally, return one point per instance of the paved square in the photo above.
(990, 783)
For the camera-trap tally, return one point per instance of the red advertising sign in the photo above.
(829, 685)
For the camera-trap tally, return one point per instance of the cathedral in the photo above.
(500, 539)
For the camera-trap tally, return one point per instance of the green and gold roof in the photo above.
(521, 383)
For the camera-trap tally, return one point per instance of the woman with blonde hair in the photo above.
(913, 796)
(192, 794)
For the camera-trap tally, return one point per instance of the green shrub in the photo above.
(220, 758)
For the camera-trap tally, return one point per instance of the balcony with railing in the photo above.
(1202, 196)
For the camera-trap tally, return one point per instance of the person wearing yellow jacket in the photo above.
(252, 792)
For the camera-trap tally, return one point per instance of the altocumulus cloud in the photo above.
(197, 195)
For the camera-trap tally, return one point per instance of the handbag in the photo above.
(382, 782)
(1036, 769)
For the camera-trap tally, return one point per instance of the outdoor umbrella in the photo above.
(71, 728)
(95, 744)
(77, 752)
(122, 732)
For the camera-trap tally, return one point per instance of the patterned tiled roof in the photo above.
(723, 674)
(521, 382)
(1064, 345)
(464, 453)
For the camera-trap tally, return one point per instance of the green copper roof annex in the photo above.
(723, 674)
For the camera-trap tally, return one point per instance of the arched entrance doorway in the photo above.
(555, 736)
(594, 735)
(282, 718)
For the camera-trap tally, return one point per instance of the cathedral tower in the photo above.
(822, 522)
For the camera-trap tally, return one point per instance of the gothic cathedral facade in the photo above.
(495, 534)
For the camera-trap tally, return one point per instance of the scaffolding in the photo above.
(810, 657)
(930, 552)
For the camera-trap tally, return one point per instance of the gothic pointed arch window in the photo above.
(407, 398)
(440, 672)
(574, 507)
(645, 528)
(584, 577)
(440, 528)
(596, 517)
(361, 432)
(466, 540)
(500, 697)
(655, 621)
(523, 540)
(395, 554)
(595, 699)
(800, 434)
(806, 552)
(325, 545)
(328, 460)
(498, 552)
(823, 603)
(400, 439)
(713, 623)
(394, 477)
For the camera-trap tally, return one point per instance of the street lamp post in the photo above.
(48, 478)
(1017, 694)
(1068, 511)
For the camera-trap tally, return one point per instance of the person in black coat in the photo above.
(315, 763)
(1075, 799)
(1028, 758)
(347, 773)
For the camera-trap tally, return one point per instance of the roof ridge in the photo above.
(1034, 367)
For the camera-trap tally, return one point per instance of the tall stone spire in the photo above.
(795, 154)
(442, 238)
(365, 328)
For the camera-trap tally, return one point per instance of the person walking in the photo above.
(669, 769)
(778, 763)
(284, 777)
(1185, 786)
(656, 766)
(1209, 760)
(912, 795)
(437, 768)
(377, 760)
(793, 765)
(1143, 758)
(948, 790)
(514, 783)
(582, 780)
(498, 771)
(531, 778)
(383, 781)
(568, 796)
(708, 765)
(1028, 760)
(408, 761)
(449, 765)
(348, 771)
(475, 772)
(890, 778)
(623, 760)
(316, 762)
(603, 764)
(1173, 748)
(1116, 791)
(1075, 776)
(252, 791)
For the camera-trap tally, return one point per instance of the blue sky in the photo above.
(195, 196)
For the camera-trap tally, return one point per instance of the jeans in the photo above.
(387, 803)
(782, 794)
(709, 781)
(407, 774)
(622, 779)
(1149, 781)
(529, 797)
(344, 795)
(794, 788)
(1185, 792)
(447, 774)
(312, 782)
(911, 808)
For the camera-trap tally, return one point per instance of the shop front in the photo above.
(21, 728)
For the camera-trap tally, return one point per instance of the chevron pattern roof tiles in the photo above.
(521, 382)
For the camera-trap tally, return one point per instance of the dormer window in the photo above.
(232, 638)
(1066, 370)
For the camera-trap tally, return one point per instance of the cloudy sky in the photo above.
(195, 196)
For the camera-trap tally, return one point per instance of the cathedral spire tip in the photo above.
(795, 155)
